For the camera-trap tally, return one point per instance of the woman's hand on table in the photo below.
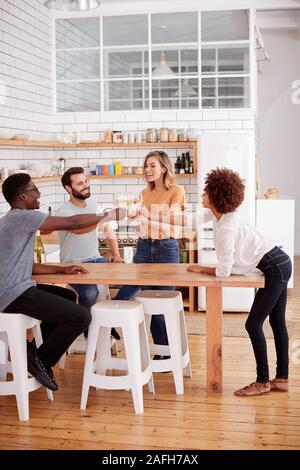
(195, 268)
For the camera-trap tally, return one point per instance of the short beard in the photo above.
(79, 195)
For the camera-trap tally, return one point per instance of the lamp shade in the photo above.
(163, 70)
(186, 89)
(72, 5)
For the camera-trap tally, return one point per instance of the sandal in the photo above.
(254, 389)
(279, 385)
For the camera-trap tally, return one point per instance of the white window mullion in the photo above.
(150, 61)
(199, 62)
(101, 65)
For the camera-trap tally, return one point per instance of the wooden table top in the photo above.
(150, 274)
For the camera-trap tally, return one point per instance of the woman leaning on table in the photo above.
(158, 242)
(241, 249)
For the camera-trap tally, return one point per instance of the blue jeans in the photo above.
(271, 301)
(153, 251)
(88, 293)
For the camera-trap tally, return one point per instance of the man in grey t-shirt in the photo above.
(81, 246)
(62, 319)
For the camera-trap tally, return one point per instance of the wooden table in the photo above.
(169, 275)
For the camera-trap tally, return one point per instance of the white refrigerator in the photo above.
(237, 152)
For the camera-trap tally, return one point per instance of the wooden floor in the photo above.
(194, 420)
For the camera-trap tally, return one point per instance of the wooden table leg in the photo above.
(214, 333)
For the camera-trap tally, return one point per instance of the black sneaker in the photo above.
(50, 372)
(38, 370)
(115, 334)
(159, 357)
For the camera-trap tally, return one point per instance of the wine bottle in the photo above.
(39, 250)
(177, 166)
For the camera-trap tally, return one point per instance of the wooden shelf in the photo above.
(54, 179)
(96, 144)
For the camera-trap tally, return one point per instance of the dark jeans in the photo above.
(153, 251)
(88, 293)
(62, 319)
(271, 301)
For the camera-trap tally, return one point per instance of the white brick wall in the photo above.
(25, 71)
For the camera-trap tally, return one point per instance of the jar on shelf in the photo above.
(138, 137)
(131, 137)
(118, 168)
(182, 135)
(193, 135)
(107, 136)
(128, 170)
(164, 134)
(117, 137)
(173, 135)
(151, 135)
(125, 137)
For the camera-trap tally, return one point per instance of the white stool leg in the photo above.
(18, 354)
(38, 341)
(145, 354)
(4, 363)
(132, 348)
(61, 362)
(173, 329)
(184, 345)
(103, 355)
(88, 363)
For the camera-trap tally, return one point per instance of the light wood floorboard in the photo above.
(195, 420)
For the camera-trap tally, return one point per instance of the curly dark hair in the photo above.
(225, 189)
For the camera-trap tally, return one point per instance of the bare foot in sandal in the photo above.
(279, 385)
(254, 389)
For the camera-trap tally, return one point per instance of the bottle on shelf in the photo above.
(49, 211)
(177, 166)
(187, 163)
(191, 166)
(61, 166)
(39, 250)
(182, 164)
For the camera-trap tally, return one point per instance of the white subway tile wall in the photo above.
(26, 67)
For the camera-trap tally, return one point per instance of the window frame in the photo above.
(150, 47)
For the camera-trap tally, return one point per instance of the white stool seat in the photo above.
(169, 304)
(13, 328)
(128, 315)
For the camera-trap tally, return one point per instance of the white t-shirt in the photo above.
(239, 246)
(78, 247)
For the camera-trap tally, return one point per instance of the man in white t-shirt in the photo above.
(82, 245)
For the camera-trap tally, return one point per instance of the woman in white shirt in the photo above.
(241, 249)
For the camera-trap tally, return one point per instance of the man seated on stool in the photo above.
(81, 246)
(62, 319)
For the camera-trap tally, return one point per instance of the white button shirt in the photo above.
(239, 246)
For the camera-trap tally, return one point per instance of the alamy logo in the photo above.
(296, 93)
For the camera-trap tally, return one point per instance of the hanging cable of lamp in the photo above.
(72, 5)
(163, 70)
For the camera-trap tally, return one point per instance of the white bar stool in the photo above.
(13, 328)
(169, 303)
(128, 315)
(79, 345)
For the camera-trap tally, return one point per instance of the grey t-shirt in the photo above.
(78, 248)
(17, 233)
